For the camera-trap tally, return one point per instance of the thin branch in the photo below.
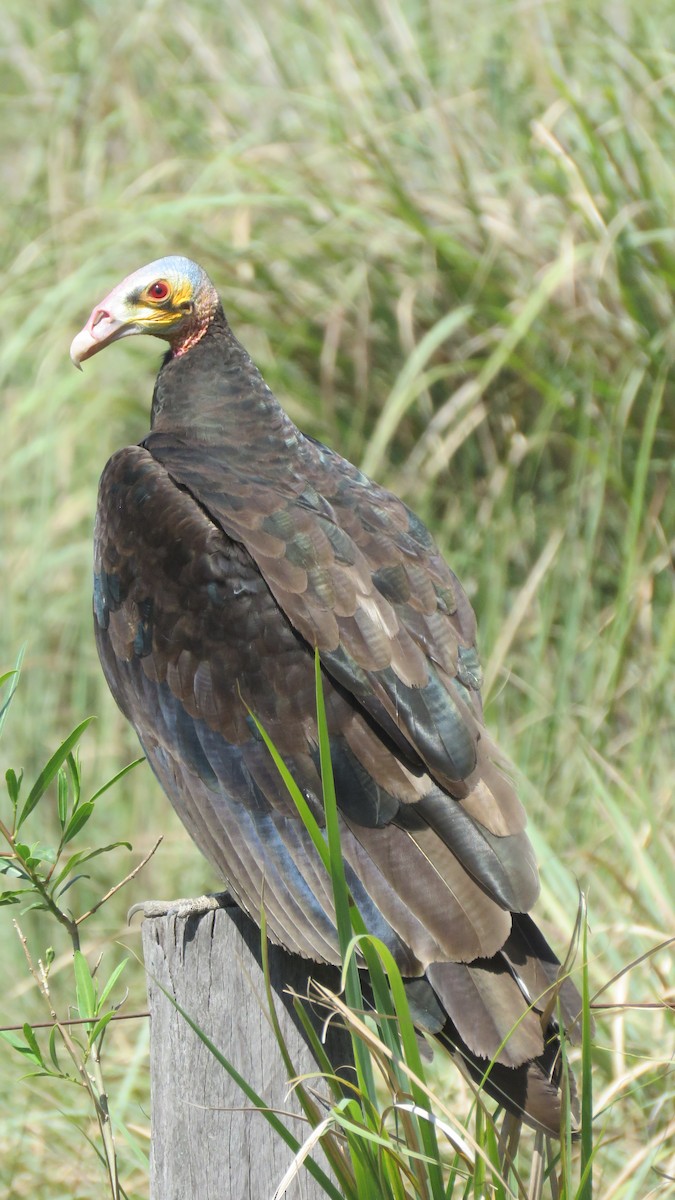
(73, 1021)
(120, 885)
(24, 944)
(660, 1005)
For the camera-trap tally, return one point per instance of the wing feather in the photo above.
(214, 582)
(213, 640)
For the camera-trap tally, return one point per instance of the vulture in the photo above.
(229, 549)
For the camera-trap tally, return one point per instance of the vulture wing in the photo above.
(228, 546)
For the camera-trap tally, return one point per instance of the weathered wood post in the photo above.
(207, 1142)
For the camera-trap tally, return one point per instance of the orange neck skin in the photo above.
(205, 307)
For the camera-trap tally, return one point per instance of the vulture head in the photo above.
(171, 298)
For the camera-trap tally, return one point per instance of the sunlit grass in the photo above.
(445, 233)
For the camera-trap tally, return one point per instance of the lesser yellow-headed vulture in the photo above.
(228, 546)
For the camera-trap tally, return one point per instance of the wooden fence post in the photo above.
(207, 1143)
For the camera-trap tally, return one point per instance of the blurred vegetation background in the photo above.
(445, 233)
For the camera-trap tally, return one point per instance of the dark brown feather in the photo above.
(228, 546)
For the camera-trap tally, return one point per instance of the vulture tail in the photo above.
(498, 1017)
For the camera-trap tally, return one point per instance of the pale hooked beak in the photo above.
(101, 329)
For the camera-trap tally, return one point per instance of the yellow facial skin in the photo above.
(162, 304)
(171, 299)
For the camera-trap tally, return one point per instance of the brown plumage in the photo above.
(228, 546)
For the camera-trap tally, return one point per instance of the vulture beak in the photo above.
(102, 328)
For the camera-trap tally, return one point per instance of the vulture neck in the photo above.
(213, 395)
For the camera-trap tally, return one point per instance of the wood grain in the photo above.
(207, 1143)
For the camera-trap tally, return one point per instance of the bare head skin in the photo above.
(171, 298)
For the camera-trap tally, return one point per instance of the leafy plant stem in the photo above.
(87, 1065)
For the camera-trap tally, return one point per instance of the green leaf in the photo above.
(31, 1041)
(9, 866)
(96, 1030)
(13, 786)
(75, 778)
(115, 779)
(84, 986)
(42, 854)
(48, 772)
(83, 856)
(39, 905)
(27, 1046)
(35, 854)
(33, 863)
(7, 898)
(18, 1044)
(14, 676)
(69, 883)
(52, 1048)
(13, 1040)
(78, 820)
(108, 987)
(62, 800)
(74, 861)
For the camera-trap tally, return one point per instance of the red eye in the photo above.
(159, 290)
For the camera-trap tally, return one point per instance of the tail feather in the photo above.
(486, 1006)
(497, 1017)
(536, 967)
(532, 1091)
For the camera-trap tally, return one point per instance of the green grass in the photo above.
(445, 232)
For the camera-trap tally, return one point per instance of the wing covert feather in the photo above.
(363, 594)
(189, 630)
